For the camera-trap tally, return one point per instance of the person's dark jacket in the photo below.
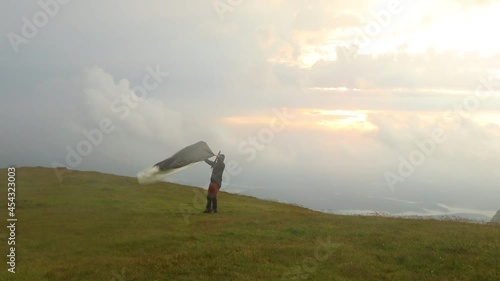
(217, 170)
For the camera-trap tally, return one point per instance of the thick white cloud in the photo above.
(431, 70)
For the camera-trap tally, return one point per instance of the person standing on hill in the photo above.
(215, 182)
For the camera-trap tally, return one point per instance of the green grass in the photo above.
(95, 226)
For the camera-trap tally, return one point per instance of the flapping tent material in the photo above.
(179, 161)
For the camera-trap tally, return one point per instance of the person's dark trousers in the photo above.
(214, 203)
(213, 189)
(209, 203)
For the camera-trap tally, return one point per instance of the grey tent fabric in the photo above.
(182, 159)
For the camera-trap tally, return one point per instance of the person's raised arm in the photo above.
(209, 162)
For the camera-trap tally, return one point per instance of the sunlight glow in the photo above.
(445, 28)
(313, 119)
(355, 121)
(337, 120)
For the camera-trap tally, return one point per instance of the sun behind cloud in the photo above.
(444, 26)
(313, 119)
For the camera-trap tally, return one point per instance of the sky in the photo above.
(363, 105)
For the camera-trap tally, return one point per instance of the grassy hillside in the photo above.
(95, 226)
